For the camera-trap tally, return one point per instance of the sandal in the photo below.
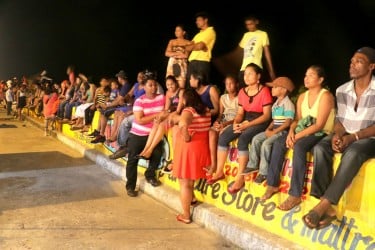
(180, 218)
(325, 221)
(289, 203)
(168, 166)
(270, 191)
(232, 190)
(194, 202)
(110, 140)
(311, 219)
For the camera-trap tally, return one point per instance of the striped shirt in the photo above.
(149, 107)
(364, 116)
(100, 98)
(281, 111)
(200, 123)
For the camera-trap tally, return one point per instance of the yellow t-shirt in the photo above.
(208, 36)
(253, 43)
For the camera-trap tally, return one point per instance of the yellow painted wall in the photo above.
(354, 229)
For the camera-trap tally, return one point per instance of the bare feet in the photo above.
(210, 170)
(270, 191)
(290, 203)
(215, 178)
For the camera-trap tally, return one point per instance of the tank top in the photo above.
(205, 96)
(100, 98)
(313, 111)
(174, 101)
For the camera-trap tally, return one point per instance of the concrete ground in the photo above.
(51, 197)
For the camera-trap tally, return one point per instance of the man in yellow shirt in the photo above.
(201, 48)
(255, 44)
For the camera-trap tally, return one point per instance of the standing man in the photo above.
(353, 137)
(255, 43)
(201, 49)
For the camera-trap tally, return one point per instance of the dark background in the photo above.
(102, 37)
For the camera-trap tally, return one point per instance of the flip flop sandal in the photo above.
(313, 217)
(326, 221)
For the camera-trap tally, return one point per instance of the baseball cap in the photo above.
(368, 52)
(282, 81)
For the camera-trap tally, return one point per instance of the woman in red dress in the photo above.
(191, 154)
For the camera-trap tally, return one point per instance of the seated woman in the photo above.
(88, 91)
(227, 111)
(253, 117)
(314, 120)
(173, 104)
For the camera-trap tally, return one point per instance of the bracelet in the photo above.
(356, 136)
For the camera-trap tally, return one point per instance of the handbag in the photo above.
(305, 123)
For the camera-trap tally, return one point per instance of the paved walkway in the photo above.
(51, 197)
(234, 230)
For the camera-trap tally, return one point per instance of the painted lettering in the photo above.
(287, 222)
(359, 238)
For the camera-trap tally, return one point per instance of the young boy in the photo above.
(283, 111)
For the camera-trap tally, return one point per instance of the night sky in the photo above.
(102, 37)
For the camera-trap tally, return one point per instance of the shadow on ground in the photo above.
(38, 160)
(7, 125)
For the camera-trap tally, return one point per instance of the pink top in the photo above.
(148, 107)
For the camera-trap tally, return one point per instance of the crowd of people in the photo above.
(260, 115)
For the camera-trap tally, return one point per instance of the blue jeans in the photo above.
(69, 109)
(300, 149)
(124, 130)
(244, 138)
(260, 151)
(352, 159)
